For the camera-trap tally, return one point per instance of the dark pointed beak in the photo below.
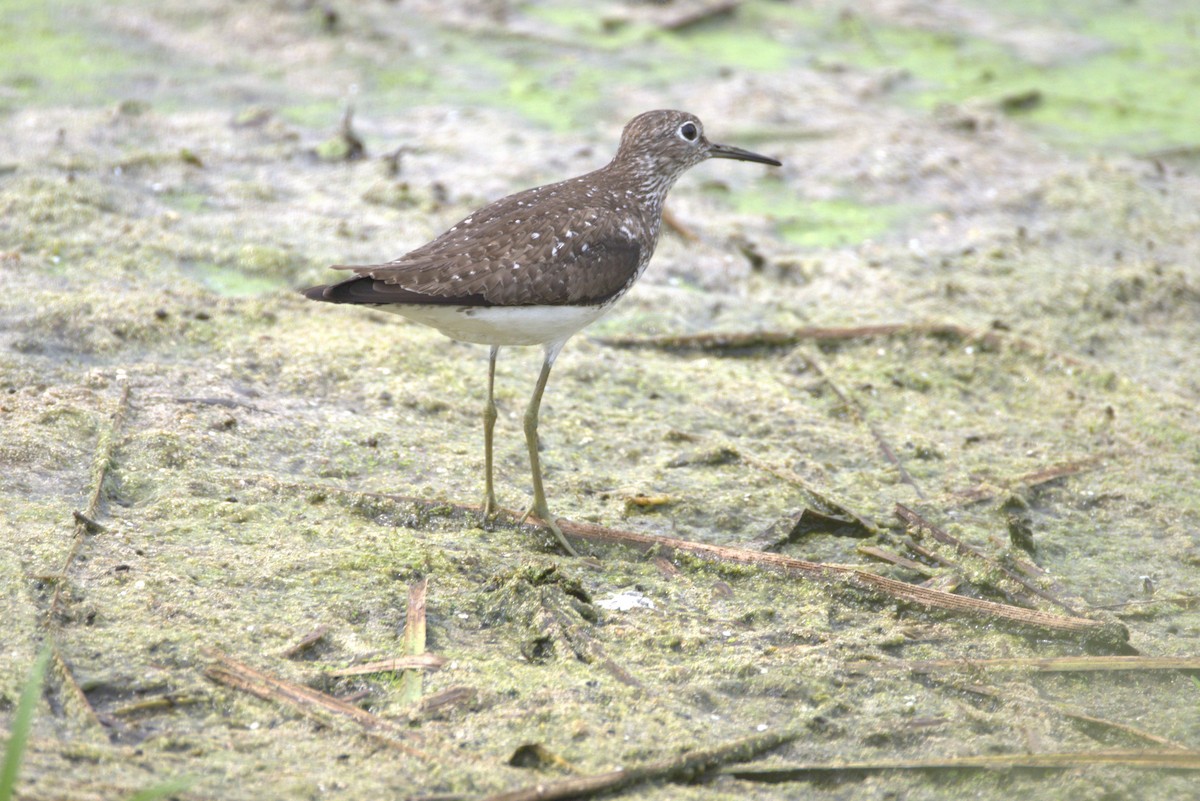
(737, 154)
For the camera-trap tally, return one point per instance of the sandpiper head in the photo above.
(669, 142)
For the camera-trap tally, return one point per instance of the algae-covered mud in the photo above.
(975, 286)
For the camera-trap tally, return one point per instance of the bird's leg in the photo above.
(490, 507)
(539, 508)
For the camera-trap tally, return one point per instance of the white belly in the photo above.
(502, 325)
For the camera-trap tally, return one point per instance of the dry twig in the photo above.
(895, 559)
(76, 691)
(690, 17)
(984, 492)
(85, 521)
(686, 767)
(915, 520)
(414, 663)
(412, 681)
(305, 642)
(1050, 664)
(719, 342)
(1110, 632)
(309, 702)
(1069, 760)
(1071, 713)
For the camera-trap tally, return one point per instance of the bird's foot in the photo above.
(543, 514)
(490, 507)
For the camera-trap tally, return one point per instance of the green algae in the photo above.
(744, 46)
(823, 223)
(318, 114)
(47, 57)
(572, 23)
(1137, 90)
(563, 81)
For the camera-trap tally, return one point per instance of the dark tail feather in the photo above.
(348, 291)
(358, 289)
(316, 292)
(367, 291)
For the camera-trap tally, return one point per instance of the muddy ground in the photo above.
(171, 173)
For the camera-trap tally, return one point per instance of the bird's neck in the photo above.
(647, 182)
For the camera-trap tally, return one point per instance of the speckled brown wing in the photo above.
(574, 257)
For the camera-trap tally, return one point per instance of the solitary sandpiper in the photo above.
(535, 267)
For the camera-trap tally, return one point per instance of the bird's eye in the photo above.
(689, 131)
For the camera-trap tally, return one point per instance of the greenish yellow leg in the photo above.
(490, 507)
(539, 508)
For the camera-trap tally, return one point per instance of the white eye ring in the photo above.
(689, 132)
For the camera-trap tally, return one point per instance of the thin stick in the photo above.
(305, 642)
(157, 703)
(925, 553)
(449, 697)
(413, 662)
(307, 701)
(895, 559)
(857, 579)
(411, 682)
(1070, 712)
(76, 692)
(718, 342)
(1063, 760)
(695, 16)
(984, 492)
(686, 767)
(85, 521)
(1124, 728)
(914, 519)
(228, 403)
(1051, 664)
